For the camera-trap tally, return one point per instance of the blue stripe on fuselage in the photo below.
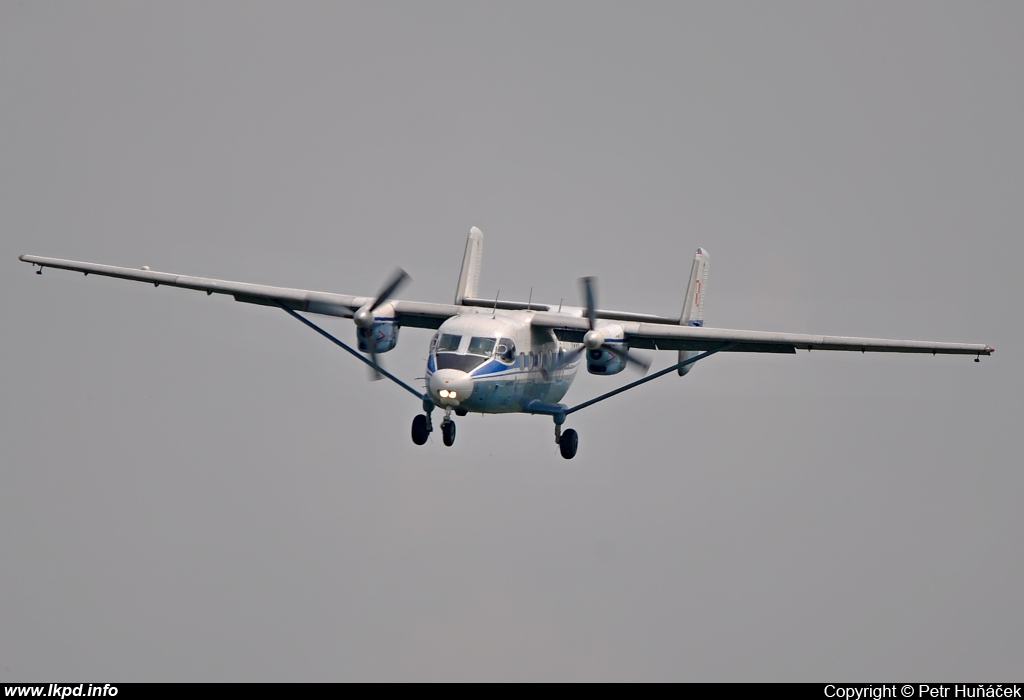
(491, 367)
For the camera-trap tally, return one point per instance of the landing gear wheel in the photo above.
(568, 443)
(420, 431)
(448, 433)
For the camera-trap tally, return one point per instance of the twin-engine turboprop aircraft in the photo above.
(493, 356)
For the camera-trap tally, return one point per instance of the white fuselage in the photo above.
(494, 362)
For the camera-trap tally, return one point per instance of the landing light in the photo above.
(443, 393)
(452, 394)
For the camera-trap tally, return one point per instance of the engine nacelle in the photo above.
(601, 360)
(380, 334)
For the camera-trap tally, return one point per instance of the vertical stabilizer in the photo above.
(469, 276)
(693, 307)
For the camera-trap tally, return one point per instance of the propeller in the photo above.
(594, 338)
(364, 318)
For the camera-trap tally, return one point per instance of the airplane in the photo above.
(498, 356)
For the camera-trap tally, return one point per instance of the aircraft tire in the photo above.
(419, 429)
(448, 433)
(568, 443)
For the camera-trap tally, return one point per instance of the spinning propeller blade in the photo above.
(644, 365)
(564, 359)
(364, 317)
(589, 284)
(398, 278)
(588, 298)
(594, 339)
(375, 370)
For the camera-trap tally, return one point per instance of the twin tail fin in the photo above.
(693, 306)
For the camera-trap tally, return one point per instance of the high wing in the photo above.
(641, 330)
(666, 336)
(415, 314)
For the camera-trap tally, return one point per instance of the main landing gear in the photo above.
(421, 424)
(568, 441)
(421, 428)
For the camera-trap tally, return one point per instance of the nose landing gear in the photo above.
(448, 432)
(422, 428)
(448, 427)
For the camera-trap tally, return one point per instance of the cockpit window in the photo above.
(506, 351)
(481, 346)
(451, 360)
(448, 342)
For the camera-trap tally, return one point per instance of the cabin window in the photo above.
(506, 350)
(481, 346)
(448, 342)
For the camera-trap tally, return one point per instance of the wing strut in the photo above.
(638, 382)
(354, 353)
(560, 411)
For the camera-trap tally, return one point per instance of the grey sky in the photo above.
(195, 489)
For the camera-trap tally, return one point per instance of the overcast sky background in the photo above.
(196, 489)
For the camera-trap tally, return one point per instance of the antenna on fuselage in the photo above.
(530, 300)
(560, 304)
(494, 311)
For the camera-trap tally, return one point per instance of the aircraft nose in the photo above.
(449, 387)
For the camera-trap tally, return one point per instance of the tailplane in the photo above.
(693, 307)
(469, 276)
